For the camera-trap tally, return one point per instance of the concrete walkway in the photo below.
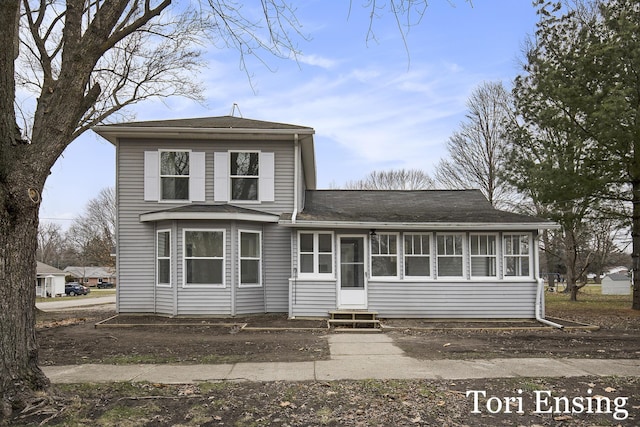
(353, 356)
(62, 303)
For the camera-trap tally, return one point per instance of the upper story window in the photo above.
(417, 255)
(450, 257)
(174, 175)
(244, 174)
(315, 253)
(384, 255)
(517, 257)
(204, 257)
(483, 255)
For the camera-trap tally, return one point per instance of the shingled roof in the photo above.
(422, 207)
(221, 122)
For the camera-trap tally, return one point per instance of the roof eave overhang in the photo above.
(112, 133)
(466, 226)
(219, 216)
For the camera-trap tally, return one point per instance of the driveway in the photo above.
(74, 302)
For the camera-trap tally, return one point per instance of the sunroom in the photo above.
(426, 254)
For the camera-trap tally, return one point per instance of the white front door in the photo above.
(352, 292)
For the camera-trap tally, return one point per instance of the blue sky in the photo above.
(373, 105)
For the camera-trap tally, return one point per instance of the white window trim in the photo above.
(495, 256)
(430, 255)
(231, 177)
(397, 255)
(464, 257)
(224, 259)
(316, 256)
(164, 285)
(505, 277)
(240, 258)
(160, 176)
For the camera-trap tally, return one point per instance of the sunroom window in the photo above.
(174, 175)
(244, 175)
(450, 255)
(417, 255)
(204, 257)
(517, 258)
(483, 255)
(384, 255)
(315, 253)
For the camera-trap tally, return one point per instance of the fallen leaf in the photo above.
(562, 418)
(609, 389)
(447, 344)
(285, 404)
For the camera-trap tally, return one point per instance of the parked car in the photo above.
(105, 285)
(73, 289)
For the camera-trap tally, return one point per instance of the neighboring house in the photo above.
(616, 284)
(49, 280)
(92, 276)
(221, 216)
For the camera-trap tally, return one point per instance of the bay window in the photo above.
(250, 259)
(204, 258)
(163, 258)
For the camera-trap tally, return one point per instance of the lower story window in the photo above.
(517, 255)
(450, 255)
(250, 259)
(163, 258)
(204, 257)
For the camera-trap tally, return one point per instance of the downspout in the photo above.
(294, 214)
(540, 287)
(296, 172)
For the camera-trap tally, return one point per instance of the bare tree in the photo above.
(400, 179)
(93, 232)
(84, 61)
(50, 243)
(476, 150)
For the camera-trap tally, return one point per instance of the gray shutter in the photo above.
(151, 176)
(197, 173)
(267, 177)
(221, 177)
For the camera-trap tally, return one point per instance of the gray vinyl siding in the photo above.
(136, 262)
(276, 267)
(164, 300)
(312, 298)
(440, 299)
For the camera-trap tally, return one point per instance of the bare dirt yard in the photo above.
(70, 337)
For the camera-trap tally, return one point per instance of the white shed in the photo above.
(49, 281)
(616, 284)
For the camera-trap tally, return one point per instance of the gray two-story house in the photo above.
(221, 216)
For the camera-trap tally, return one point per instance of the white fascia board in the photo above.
(113, 133)
(470, 226)
(164, 216)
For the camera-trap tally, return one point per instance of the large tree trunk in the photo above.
(635, 238)
(20, 186)
(20, 375)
